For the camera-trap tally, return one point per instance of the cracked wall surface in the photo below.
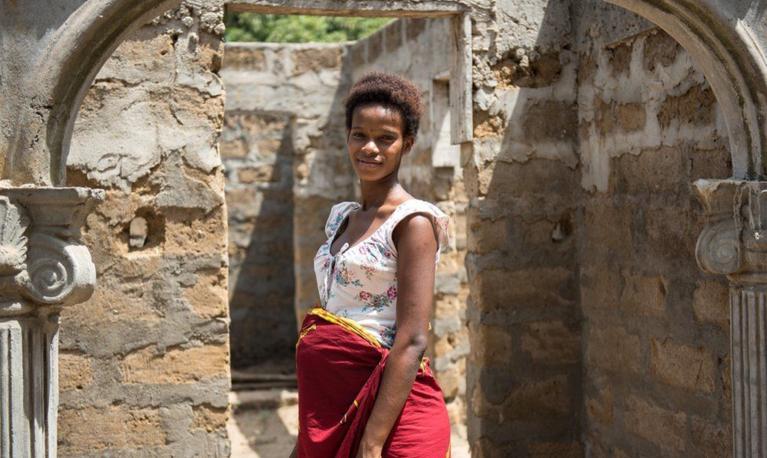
(524, 371)
(655, 328)
(594, 331)
(145, 362)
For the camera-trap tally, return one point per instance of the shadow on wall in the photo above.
(524, 372)
(258, 153)
(583, 256)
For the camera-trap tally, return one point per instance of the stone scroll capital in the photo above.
(734, 240)
(42, 260)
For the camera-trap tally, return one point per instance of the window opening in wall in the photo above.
(284, 153)
(275, 28)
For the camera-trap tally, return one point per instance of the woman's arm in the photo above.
(416, 247)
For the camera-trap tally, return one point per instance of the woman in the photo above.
(364, 388)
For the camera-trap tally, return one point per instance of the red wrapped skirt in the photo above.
(339, 368)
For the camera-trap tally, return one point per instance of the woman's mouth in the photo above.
(368, 163)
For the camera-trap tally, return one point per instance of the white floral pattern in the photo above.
(360, 282)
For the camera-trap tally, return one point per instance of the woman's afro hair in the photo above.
(388, 90)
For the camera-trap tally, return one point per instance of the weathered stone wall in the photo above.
(421, 50)
(655, 328)
(258, 159)
(524, 371)
(145, 362)
(595, 332)
(305, 83)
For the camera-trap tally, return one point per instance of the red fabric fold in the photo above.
(339, 374)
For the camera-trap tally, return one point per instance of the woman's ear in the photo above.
(407, 144)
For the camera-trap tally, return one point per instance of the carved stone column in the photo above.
(43, 268)
(734, 243)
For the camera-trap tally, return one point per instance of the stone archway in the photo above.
(727, 51)
(729, 54)
(56, 83)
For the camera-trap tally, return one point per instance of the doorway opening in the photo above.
(283, 149)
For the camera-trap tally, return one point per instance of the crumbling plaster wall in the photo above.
(284, 157)
(594, 331)
(421, 49)
(305, 82)
(655, 327)
(144, 364)
(522, 179)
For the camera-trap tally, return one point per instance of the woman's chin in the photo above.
(369, 173)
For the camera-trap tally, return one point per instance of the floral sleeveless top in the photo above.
(360, 281)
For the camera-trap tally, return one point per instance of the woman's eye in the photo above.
(358, 136)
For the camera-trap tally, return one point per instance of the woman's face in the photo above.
(376, 142)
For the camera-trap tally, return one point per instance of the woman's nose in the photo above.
(370, 147)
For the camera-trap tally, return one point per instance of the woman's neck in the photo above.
(378, 193)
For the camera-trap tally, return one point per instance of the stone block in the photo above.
(209, 418)
(652, 171)
(711, 303)
(245, 58)
(644, 295)
(208, 295)
(92, 429)
(488, 236)
(710, 163)
(663, 427)
(75, 371)
(682, 366)
(176, 365)
(538, 288)
(631, 116)
(480, 406)
(660, 50)
(710, 439)
(544, 400)
(551, 121)
(235, 148)
(620, 57)
(607, 232)
(492, 346)
(316, 59)
(600, 287)
(200, 236)
(536, 177)
(613, 348)
(552, 342)
(696, 107)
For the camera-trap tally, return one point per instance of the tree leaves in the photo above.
(299, 29)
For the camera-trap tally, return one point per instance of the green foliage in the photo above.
(299, 29)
